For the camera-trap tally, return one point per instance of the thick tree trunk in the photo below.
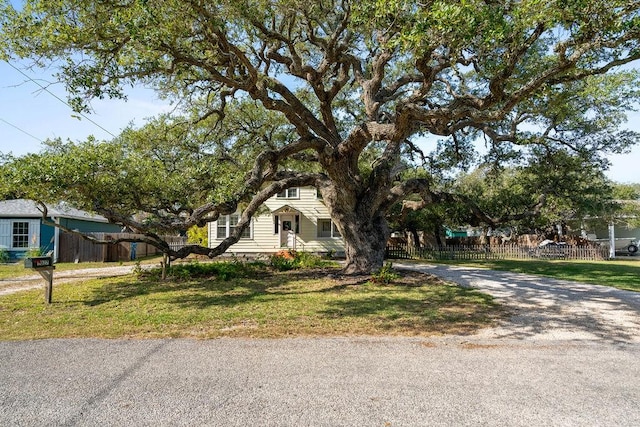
(365, 241)
(358, 204)
(436, 234)
(416, 238)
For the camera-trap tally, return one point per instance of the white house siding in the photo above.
(265, 240)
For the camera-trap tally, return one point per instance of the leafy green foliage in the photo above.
(385, 275)
(290, 260)
(144, 171)
(198, 235)
(222, 270)
(625, 210)
(33, 252)
(282, 262)
(335, 94)
(4, 256)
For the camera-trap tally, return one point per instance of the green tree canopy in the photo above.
(349, 87)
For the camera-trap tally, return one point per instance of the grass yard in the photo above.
(621, 274)
(261, 303)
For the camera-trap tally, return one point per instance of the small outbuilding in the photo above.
(23, 230)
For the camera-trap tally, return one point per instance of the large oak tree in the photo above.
(343, 91)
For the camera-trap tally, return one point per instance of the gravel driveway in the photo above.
(544, 309)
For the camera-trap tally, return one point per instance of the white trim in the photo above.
(33, 234)
(286, 194)
(56, 240)
(227, 227)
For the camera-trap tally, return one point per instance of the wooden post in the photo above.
(44, 266)
(47, 275)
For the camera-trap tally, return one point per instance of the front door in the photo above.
(287, 235)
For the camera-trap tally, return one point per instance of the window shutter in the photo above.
(5, 233)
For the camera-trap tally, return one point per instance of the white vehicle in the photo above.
(629, 245)
(626, 244)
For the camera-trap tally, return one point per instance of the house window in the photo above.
(326, 228)
(289, 193)
(227, 223)
(20, 234)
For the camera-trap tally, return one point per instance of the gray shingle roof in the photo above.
(22, 208)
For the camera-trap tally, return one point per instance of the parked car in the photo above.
(628, 245)
(632, 248)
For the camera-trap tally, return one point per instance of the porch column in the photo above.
(56, 240)
(612, 241)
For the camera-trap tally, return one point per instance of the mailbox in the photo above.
(37, 262)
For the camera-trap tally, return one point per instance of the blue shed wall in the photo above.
(47, 233)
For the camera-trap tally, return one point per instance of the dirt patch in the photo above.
(405, 277)
(10, 286)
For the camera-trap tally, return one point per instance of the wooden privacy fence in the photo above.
(498, 252)
(73, 248)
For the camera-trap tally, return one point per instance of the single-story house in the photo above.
(296, 219)
(22, 228)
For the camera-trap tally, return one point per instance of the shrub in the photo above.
(283, 261)
(385, 275)
(224, 270)
(33, 252)
(309, 260)
(4, 256)
(290, 260)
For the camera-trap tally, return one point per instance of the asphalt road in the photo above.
(557, 361)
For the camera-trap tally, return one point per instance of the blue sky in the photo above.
(29, 115)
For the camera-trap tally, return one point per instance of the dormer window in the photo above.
(289, 193)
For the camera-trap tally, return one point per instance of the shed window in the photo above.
(20, 234)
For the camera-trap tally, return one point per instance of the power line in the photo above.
(56, 97)
(21, 130)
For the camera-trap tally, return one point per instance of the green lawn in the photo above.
(265, 303)
(621, 274)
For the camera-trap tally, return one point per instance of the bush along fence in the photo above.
(480, 252)
(74, 248)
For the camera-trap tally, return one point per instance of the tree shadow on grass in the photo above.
(443, 309)
(209, 290)
(416, 301)
(416, 304)
(123, 290)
